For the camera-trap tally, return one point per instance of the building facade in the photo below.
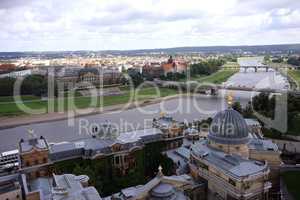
(82, 78)
(163, 187)
(172, 131)
(34, 156)
(232, 165)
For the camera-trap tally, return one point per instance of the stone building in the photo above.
(157, 69)
(70, 187)
(192, 134)
(59, 187)
(10, 190)
(153, 70)
(34, 155)
(234, 164)
(121, 149)
(173, 65)
(163, 188)
(82, 78)
(254, 127)
(172, 131)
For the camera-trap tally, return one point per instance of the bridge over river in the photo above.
(213, 89)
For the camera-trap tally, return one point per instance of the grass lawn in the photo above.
(11, 108)
(231, 65)
(295, 74)
(218, 77)
(291, 180)
(24, 98)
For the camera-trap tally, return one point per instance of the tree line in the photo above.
(32, 85)
(265, 103)
(294, 60)
(206, 67)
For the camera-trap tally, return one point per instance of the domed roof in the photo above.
(228, 127)
(163, 191)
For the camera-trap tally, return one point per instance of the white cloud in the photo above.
(128, 24)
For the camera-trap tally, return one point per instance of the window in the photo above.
(117, 160)
(232, 182)
(203, 166)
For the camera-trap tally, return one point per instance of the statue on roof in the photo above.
(160, 173)
(31, 134)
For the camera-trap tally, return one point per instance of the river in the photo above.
(181, 109)
(260, 79)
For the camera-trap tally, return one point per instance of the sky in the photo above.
(54, 25)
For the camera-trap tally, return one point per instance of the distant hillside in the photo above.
(257, 49)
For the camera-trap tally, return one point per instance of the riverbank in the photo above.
(10, 122)
(219, 77)
(295, 75)
(9, 108)
(39, 106)
(216, 78)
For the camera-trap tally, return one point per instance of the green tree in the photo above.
(248, 111)
(7, 86)
(237, 106)
(136, 77)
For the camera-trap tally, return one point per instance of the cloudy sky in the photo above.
(37, 25)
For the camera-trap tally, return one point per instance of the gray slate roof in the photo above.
(38, 143)
(93, 146)
(68, 187)
(262, 145)
(232, 165)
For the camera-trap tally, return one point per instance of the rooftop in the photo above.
(232, 165)
(134, 136)
(262, 145)
(161, 187)
(164, 121)
(69, 187)
(37, 143)
(98, 145)
(8, 186)
(252, 122)
(228, 127)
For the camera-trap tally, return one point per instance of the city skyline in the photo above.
(126, 25)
